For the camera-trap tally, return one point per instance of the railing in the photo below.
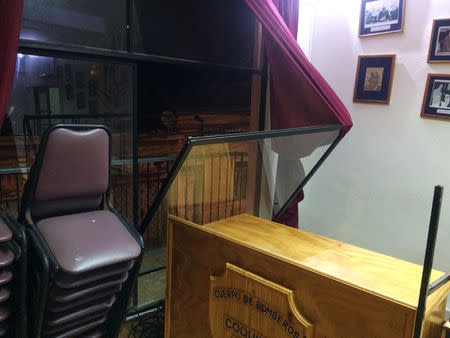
(12, 181)
(210, 187)
(11, 188)
(192, 203)
(119, 124)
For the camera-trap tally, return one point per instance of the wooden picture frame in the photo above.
(436, 98)
(381, 17)
(373, 80)
(439, 48)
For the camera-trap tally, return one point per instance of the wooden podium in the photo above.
(244, 276)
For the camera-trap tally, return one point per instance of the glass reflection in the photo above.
(81, 22)
(49, 90)
(224, 179)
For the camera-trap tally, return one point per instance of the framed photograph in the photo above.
(439, 50)
(374, 78)
(381, 16)
(436, 100)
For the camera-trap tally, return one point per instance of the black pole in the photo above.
(128, 26)
(428, 261)
(263, 94)
(135, 149)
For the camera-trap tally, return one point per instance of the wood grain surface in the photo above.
(260, 305)
(343, 290)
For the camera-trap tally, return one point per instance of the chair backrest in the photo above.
(72, 171)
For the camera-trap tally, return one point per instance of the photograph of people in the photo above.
(440, 96)
(374, 79)
(443, 41)
(381, 13)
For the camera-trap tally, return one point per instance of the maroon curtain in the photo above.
(10, 19)
(288, 10)
(299, 95)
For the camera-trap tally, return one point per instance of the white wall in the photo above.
(376, 189)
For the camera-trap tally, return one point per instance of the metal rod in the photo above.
(148, 271)
(74, 116)
(135, 148)
(428, 261)
(83, 52)
(256, 135)
(144, 309)
(438, 283)
(263, 94)
(128, 26)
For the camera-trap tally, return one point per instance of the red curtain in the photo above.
(299, 95)
(288, 10)
(10, 19)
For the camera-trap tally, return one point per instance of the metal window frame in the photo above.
(247, 136)
(135, 60)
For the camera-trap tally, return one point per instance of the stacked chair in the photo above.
(84, 259)
(13, 319)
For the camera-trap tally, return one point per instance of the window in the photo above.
(49, 90)
(99, 23)
(215, 31)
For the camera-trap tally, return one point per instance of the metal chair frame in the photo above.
(42, 255)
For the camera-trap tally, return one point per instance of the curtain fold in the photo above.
(10, 20)
(299, 95)
(288, 10)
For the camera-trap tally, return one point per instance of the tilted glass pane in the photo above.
(221, 179)
(257, 177)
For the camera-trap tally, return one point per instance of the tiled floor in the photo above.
(151, 287)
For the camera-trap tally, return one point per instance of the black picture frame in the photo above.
(381, 16)
(439, 49)
(436, 99)
(373, 81)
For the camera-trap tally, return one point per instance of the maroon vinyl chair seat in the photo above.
(65, 281)
(4, 313)
(76, 327)
(4, 294)
(68, 295)
(5, 233)
(68, 316)
(5, 277)
(6, 257)
(98, 297)
(87, 241)
(95, 334)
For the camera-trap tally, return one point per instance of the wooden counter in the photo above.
(333, 289)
